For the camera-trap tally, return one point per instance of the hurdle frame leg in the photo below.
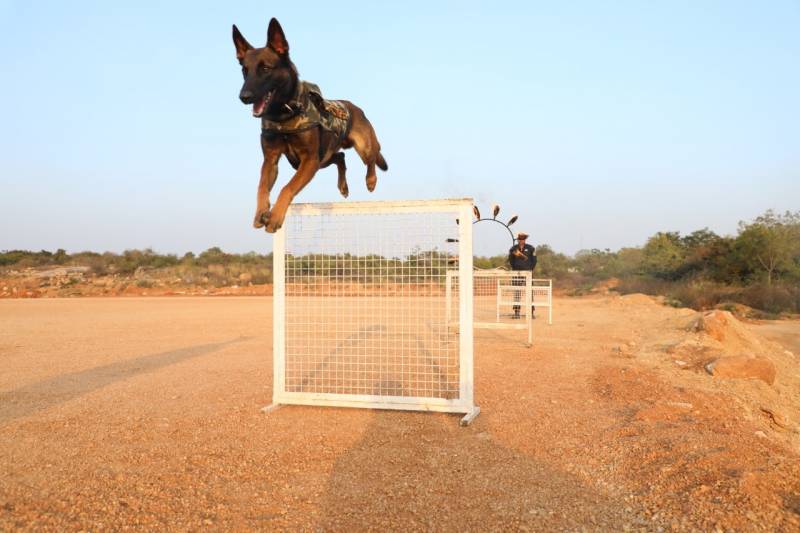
(469, 417)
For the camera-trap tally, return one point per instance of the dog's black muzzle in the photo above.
(247, 97)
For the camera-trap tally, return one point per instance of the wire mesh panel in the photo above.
(502, 299)
(543, 296)
(360, 306)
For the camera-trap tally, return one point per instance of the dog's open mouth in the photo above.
(261, 105)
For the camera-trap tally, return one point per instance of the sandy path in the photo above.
(145, 412)
(785, 332)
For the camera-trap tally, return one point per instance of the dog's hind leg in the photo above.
(372, 178)
(362, 137)
(368, 151)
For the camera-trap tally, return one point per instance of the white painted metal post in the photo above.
(465, 297)
(528, 305)
(499, 299)
(279, 314)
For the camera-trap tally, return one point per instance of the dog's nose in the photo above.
(246, 97)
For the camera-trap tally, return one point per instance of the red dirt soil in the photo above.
(137, 412)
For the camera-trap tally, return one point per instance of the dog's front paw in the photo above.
(275, 221)
(262, 219)
(272, 227)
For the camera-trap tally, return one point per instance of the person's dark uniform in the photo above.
(521, 257)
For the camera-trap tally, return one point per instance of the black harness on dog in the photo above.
(308, 109)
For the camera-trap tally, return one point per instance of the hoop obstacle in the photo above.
(508, 285)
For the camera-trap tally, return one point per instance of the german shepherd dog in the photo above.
(271, 84)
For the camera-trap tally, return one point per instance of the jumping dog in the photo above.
(298, 123)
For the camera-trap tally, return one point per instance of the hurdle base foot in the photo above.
(271, 407)
(469, 417)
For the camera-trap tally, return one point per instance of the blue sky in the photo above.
(598, 123)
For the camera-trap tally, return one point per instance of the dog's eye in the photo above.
(244, 71)
(265, 68)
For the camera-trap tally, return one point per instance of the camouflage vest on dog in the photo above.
(308, 109)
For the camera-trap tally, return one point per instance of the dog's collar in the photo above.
(298, 114)
(294, 106)
(286, 112)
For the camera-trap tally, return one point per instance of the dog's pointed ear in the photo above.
(275, 37)
(240, 43)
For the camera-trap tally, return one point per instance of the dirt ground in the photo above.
(145, 413)
(784, 332)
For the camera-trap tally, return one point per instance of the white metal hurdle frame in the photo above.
(367, 329)
(496, 293)
(543, 296)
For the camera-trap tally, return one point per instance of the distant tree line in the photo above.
(759, 266)
(128, 261)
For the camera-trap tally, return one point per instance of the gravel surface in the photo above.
(144, 413)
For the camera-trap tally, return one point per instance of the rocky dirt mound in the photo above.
(743, 367)
(728, 330)
(639, 299)
(743, 354)
(739, 310)
(716, 354)
(729, 357)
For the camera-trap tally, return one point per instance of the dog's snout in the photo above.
(246, 96)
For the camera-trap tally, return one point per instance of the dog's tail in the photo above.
(381, 162)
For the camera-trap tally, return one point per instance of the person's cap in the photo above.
(521, 236)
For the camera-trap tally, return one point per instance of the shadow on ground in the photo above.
(418, 471)
(59, 389)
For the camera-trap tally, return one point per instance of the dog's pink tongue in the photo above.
(258, 107)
